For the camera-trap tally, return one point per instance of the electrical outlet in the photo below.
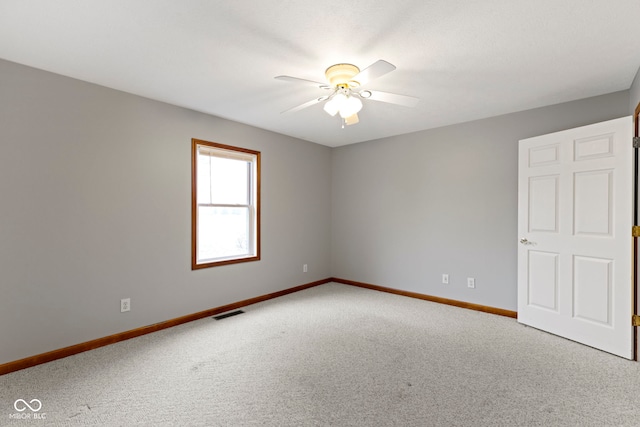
(304, 268)
(445, 279)
(125, 305)
(471, 282)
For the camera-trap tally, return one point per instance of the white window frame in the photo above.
(253, 204)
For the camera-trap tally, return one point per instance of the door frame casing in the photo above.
(636, 219)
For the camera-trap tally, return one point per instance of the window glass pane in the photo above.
(204, 179)
(223, 232)
(229, 181)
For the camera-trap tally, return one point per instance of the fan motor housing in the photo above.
(342, 75)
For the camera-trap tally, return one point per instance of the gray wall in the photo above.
(95, 207)
(95, 197)
(634, 93)
(408, 208)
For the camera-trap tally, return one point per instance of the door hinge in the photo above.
(635, 231)
(636, 142)
(635, 320)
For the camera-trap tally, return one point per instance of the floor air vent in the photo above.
(231, 313)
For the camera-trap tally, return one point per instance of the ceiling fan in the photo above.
(344, 83)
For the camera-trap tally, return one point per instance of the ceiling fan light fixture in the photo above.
(344, 96)
(350, 106)
(332, 106)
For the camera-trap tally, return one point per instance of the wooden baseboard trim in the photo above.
(112, 339)
(462, 304)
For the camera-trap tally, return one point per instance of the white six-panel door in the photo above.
(574, 223)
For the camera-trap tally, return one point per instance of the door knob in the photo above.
(524, 241)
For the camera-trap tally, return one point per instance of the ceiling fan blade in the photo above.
(392, 98)
(302, 81)
(305, 105)
(373, 71)
(352, 120)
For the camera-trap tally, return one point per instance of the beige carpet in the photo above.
(334, 355)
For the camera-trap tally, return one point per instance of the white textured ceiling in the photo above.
(465, 60)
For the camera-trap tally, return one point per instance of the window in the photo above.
(225, 204)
